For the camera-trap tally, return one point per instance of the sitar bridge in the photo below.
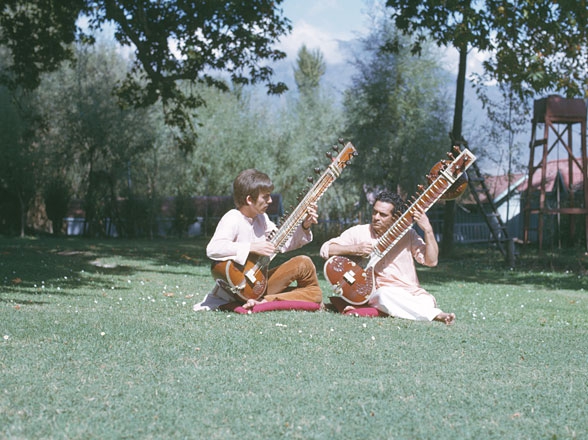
(349, 277)
(250, 275)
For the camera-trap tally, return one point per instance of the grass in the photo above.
(99, 341)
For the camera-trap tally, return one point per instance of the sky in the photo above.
(323, 24)
(329, 24)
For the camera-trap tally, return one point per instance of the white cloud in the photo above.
(474, 61)
(314, 38)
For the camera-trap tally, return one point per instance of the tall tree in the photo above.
(535, 46)
(310, 68)
(310, 127)
(87, 136)
(17, 159)
(395, 112)
(173, 41)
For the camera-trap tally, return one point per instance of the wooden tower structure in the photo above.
(557, 116)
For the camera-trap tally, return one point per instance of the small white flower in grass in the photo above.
(102, 333)
(280, 325)
(6, 337)
(332, 329)
(364, 325)
(373, 338)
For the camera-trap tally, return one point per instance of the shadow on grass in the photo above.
(36, 266)
(30, 265)
(565, 269)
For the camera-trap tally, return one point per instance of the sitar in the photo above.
(354, 282)
(249, 281)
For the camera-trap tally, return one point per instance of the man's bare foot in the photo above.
(348, 309)
(252, 303)
(447, 318)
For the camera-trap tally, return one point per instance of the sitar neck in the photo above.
(447, 175)
(405, 221)
(328, 176)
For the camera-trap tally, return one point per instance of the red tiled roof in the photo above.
(498, 185)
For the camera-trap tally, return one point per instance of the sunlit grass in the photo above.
(98, 340)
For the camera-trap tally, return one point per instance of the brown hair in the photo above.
(250, 182)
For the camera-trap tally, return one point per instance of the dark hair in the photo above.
(250, 182)
(391, 197)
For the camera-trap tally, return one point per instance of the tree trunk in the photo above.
(23, 214)
(456, 137)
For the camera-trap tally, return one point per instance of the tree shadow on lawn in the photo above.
(39, 266)
(26, 263)
(566, 269)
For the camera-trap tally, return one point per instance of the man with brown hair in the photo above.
(243, 232)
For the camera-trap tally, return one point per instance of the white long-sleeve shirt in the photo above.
(235, 232)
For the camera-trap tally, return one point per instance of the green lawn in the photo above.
(99, 341)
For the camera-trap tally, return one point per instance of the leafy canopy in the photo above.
(173, 41)
(535, 45)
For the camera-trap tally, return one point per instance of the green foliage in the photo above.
(17, 158)
(57, 199)
(396, 112)
(88, 140)
(98, 340)
(38, 36)
(309, 71)
(230, 37)
(238, 130)
(534, 46)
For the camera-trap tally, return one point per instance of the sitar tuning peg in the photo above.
(450, 156)
(329, 154)
(310, 179)
(335, 148)
(341, 141)
(318, 170)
